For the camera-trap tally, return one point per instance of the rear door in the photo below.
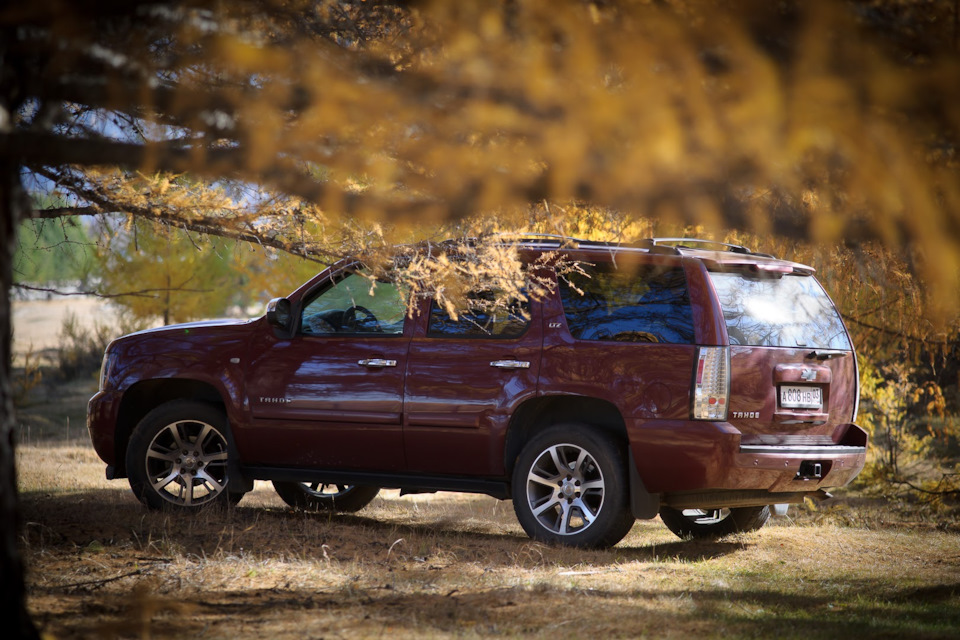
(465, 376)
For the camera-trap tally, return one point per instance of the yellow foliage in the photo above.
(796, 123)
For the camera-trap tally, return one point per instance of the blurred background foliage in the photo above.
(218, 153)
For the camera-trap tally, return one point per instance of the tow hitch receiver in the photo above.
(810, 470)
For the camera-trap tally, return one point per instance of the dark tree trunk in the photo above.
(13, 204)
(13, 609)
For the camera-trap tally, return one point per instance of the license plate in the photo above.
(801, 397)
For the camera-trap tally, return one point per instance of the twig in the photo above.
(100, 583)
(143, 293)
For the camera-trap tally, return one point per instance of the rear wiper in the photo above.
(824, 355)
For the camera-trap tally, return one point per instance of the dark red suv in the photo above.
(682, 378)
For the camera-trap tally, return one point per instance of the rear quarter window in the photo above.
(633, 304)
(789, 311)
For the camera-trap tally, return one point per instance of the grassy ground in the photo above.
(450, 565)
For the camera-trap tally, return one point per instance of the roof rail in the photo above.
(656, 245)
(540, 237)
(735, 248)
(559, 240)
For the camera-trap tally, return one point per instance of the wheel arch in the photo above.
(539, 413)
(145, 396)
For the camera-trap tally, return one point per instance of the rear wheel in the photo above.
(319, 496)
(177, 456)
(713, 523)
(570, 487)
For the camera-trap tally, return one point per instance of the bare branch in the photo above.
(44, 149)
(143, 293)
(899, 334)
(64, 212)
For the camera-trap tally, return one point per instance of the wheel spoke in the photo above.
(177, 437)
(588, 515)
(592, 485)
(217, 456)
(208, 479)
(551, 482)
(155, 452)
(162, 483)
(551, 502)
(326, 489)
(578, 466)
(187, 493)
(204, 433)
(555, 456)
(565, 513)
(706, 517)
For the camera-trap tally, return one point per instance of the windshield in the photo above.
(792, 311)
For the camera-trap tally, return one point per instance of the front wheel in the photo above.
(319, 496)
(177, 456)
(713, 523)
(570, 487)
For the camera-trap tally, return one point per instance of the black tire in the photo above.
(177, 457)
(549, 497)
(319, 496)
(713, 523)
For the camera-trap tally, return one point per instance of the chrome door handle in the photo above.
(510, 364)
(377, 362)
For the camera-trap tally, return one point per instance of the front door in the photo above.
(331, 396)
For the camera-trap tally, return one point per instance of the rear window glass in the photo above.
(792, 311)
(637, 304)
(480, 321)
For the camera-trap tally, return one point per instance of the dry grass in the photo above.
(452, 565)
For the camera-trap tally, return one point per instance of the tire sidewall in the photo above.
(148, 428)
(614, 519)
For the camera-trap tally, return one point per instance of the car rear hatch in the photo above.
(793, 372)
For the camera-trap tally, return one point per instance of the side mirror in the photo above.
(278, 313)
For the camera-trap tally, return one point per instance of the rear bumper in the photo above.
(684, 456)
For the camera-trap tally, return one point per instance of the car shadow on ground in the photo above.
(114, 517)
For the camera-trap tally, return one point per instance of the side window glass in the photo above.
(354, 304)
(643, 304)
(480, 322)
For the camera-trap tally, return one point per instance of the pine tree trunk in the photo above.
(14, 618)
(13, 609)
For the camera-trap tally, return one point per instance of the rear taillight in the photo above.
(711, 384)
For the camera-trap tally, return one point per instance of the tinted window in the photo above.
(645, 304)
(354, 304)
(792, 311)
(478, 322)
